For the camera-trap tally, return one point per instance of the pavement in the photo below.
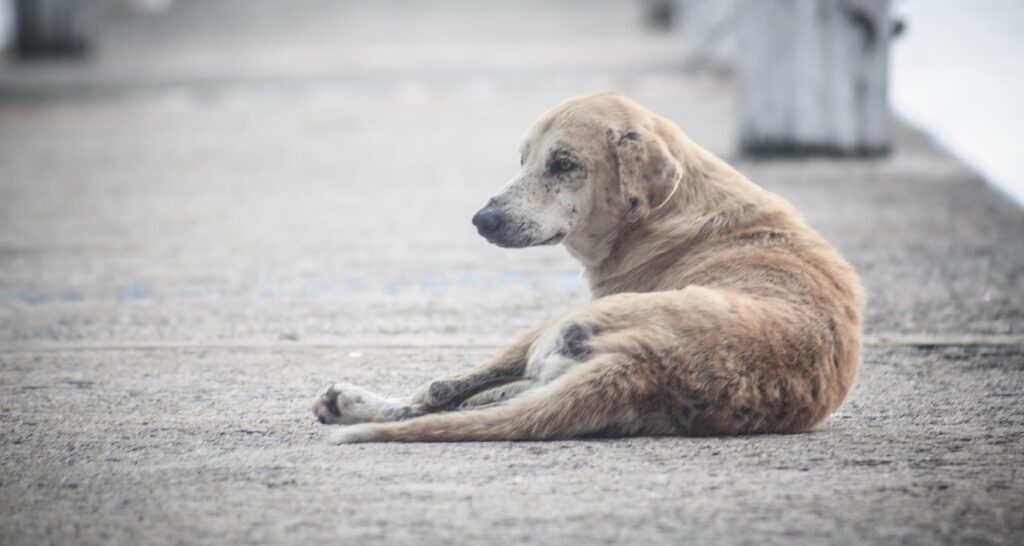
(232, 204)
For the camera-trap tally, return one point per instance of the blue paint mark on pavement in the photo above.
(136, 292)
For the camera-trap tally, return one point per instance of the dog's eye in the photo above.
(564, 165)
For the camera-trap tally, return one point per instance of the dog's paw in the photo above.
(342, 404)
(346, 404)
(353, 434)
(326, 409)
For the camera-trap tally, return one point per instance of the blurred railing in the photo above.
(51, 28)
(812, 75)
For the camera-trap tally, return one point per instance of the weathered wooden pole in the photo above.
(52, 28)
(709, 35)
(6, 23)
(813, 77)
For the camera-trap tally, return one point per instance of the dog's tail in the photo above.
(599, 397)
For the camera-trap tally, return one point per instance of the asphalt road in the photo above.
(199, 230)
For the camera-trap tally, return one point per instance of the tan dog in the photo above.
(716, 309)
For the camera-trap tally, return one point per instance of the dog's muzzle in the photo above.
(495, 225)
(508, 231)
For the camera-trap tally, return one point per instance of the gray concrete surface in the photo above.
(199, 229)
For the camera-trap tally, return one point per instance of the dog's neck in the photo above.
(713, 199)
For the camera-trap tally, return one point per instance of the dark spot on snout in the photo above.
(575, 342)
(322, 419)
(634, 202)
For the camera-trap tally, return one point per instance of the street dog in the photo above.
(716, 309)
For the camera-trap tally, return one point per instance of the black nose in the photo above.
(487, 221)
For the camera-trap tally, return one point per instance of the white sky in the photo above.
(958, 72)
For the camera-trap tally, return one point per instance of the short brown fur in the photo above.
(716, 309)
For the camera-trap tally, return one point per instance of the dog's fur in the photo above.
(716, 309)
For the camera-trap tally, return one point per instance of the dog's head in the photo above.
(588, 166)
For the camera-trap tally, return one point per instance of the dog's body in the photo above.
(716, 309)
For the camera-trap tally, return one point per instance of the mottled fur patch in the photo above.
(574, 342)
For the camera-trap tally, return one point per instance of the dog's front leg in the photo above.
(449, 392)
(346, 404)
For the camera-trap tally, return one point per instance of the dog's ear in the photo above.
(648, 173)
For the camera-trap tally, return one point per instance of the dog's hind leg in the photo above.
(607, 396)
(499, 393)
(347, 404)
(507, 367)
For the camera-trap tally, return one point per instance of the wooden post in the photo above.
(52, 27)
(709, 35)
(6, 23)
(660, 13)
(813, 77)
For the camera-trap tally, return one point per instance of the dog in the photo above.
(716, 309)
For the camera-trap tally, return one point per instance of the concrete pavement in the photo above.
(199, 229)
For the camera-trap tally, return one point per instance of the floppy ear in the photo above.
(648, 173)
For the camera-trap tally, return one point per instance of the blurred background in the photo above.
(211, 208)
(193, 153)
